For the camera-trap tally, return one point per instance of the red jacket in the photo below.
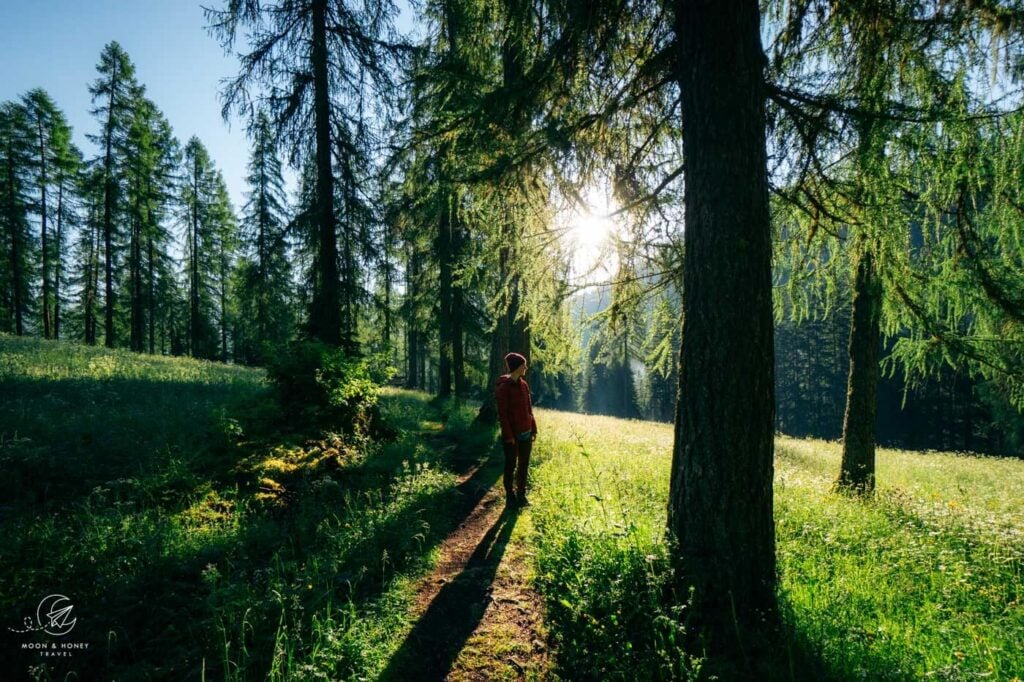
(515, 412)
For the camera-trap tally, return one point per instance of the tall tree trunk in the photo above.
(58, 266)
(44, 231)
(91, 283)
(349, 291)
(720, 500)
(194, 318)
(387, 331)
(857, 471)
(422, 370)
(444, 259)
(108, 216)
(412, 344)
(458, 308)
(17, 275)
(262, 326)
(137, 328)
(325, 323)
(151, 302)
(223, 306)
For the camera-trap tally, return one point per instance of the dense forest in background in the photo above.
(190, 274)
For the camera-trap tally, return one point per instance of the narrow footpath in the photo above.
(476, 616)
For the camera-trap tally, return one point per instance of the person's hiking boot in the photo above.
(521, 500)
(511, 501)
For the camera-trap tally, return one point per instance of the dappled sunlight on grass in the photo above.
(193, 533)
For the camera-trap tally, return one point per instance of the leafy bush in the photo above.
(320, 384)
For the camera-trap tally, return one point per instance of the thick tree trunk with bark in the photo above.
(857, 471)
(325, 322)
(720, 505)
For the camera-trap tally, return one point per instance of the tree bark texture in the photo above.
(857, 471)
(720, 505)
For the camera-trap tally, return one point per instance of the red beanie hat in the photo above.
(514, 360)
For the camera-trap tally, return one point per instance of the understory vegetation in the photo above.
(202, 532)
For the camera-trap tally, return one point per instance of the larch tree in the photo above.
(17, 245)
(150, 162)
(113, 95)
(856, 131)
(224, 229)
(198, 206)
(88, 249)
(51, 150)
(265, 275)
(67, 178)
(720, 497)
(311, 66)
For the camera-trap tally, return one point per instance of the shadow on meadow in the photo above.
(195, 535)
(431, 647)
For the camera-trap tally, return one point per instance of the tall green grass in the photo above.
(923, 582)
(201, 538)
(197, 535)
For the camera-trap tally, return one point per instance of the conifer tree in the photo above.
(315, 62)
(89, 248)
(51, 151)
(859, 136)
(265, 272)
(224, 229)
(720, 499)
(17, 244)
(201, 216)
(67, 179)
(113, 95)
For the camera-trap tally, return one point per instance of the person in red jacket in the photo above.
(518, 427)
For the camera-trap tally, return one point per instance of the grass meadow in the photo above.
(201, 537)
(924, 582)
(196, 535)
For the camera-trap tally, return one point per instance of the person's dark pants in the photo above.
(517, 462)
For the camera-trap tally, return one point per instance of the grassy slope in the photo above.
(195, 537)
(925, 580)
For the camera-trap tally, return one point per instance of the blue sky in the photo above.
(55, 44)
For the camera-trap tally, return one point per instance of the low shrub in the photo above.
(320, 384)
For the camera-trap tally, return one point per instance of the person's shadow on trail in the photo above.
(434, 643)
